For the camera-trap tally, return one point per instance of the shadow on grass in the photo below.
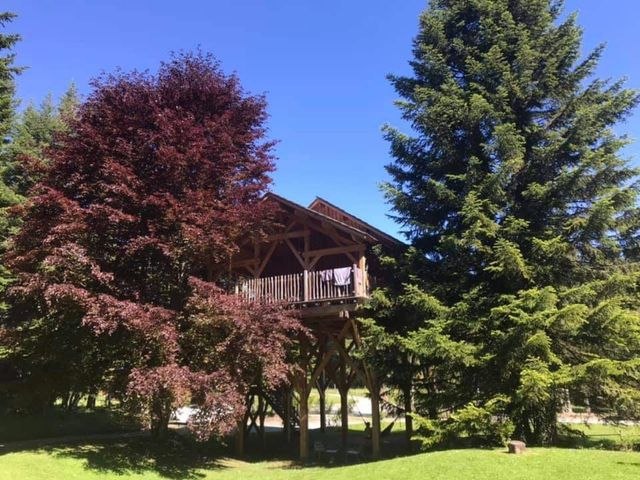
(183, 458)
(58, 422)
(175, 460)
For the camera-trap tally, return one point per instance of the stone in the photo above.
(516, 446)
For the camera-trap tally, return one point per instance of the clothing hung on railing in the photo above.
(342, 276)
(326, 275)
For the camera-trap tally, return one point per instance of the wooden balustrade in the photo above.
(307, 286)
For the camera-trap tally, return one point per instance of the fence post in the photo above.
(305, 285)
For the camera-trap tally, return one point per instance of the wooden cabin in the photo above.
(320, 261)
(317, 260)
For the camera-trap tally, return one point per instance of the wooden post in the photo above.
(304, 423)
(321, 385)
(354, 281)
(344, 415)
(362, 266)
(305, 285)
(303, 393)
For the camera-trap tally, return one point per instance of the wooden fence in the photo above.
(306, 286)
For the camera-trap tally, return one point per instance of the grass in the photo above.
(183, 459)
(609, 437)
(58, 422)
(332, 398)
(608, 430)
(136, 460)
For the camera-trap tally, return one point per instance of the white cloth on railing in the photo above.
(326, 275)
(342, 276)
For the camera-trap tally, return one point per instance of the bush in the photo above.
(472, 425)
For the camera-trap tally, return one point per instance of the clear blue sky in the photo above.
(322, 65)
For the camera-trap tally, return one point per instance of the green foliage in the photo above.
(34, 132)
(8, 71)
(470, 425)
(522, 214)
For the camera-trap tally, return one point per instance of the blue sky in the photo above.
(322, 66)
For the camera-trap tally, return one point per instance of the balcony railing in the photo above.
(308, 286)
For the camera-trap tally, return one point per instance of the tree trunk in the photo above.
(408, 410)
(286, 421)
(160, 416)
(239, 438)
(91, 401)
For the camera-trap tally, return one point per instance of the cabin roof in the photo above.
(355, 221)
(356, 226)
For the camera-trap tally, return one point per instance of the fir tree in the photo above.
(34, 133)
(8, 71)
(512, 186)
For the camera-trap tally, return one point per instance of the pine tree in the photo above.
(512, 186)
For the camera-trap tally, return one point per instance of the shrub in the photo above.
(477, 425)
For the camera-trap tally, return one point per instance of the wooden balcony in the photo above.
(308, 288)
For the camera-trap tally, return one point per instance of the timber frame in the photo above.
(317, 262)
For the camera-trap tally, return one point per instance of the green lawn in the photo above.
(598, 430)
(611, 437)
(135, 461)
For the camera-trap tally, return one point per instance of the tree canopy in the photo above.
(522, 212)
(155, 181)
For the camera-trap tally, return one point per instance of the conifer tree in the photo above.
(35, 131)
(8, 71)
(512, 185)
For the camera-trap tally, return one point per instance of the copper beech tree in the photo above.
(156, 182)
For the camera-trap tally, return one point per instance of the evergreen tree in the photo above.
(8, 71)
(68, 106)
(512, 186)
(34, 132)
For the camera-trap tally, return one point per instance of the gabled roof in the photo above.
(353, 226)
(329, 209)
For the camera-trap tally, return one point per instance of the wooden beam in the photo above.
(284, 236)
(244, 263)
(354, 367)
(266, 258)
(295, 253)
(332, 251)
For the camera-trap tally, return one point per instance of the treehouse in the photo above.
(319, 261)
